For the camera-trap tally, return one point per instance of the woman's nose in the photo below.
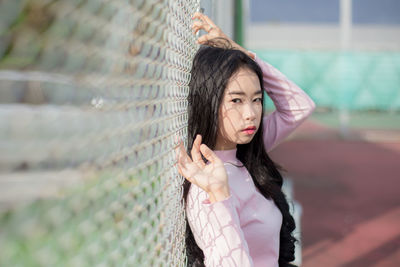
(249, 112)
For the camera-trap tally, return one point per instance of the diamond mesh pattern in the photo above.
(93, 93)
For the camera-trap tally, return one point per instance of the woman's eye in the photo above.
(236, 100)
(259, 99)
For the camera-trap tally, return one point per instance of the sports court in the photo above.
(348, 188)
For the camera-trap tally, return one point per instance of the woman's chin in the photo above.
(244, 141)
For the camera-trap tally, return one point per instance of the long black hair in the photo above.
(211, 70)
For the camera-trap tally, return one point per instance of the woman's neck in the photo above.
(226, 155)
(224, 146)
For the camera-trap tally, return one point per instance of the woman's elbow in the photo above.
(312, 107)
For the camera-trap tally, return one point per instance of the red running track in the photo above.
(350, 193)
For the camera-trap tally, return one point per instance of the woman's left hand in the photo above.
(203, 22)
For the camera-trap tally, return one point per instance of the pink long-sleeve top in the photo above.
(244, 229)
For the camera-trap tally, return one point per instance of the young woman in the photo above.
(236, 212)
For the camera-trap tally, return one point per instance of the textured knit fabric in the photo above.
(243, 229)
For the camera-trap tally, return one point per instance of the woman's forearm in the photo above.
(292, 105)
(219, 195)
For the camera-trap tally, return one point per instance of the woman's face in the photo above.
(240, 110)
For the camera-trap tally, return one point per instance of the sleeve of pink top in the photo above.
(292, 105)
(216, 228)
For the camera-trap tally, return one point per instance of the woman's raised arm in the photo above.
(292, 105)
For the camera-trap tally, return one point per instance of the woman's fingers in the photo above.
(204, 23)
(186, 167)
(198, 25)
(195, 152)
(204, 18)
(209, 154)
(184, 173)
(202, 39)
(196, 171)
(183, 158)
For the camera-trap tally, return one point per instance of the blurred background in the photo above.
(345, 160)
(92, 93)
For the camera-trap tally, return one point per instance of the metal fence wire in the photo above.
(93, 93)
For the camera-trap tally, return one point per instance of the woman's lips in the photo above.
(249, 130)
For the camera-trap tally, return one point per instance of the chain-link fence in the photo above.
(92, 94)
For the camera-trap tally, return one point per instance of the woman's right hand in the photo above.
(211, 177)
(203, 22)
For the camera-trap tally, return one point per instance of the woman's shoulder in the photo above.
(233, 166)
